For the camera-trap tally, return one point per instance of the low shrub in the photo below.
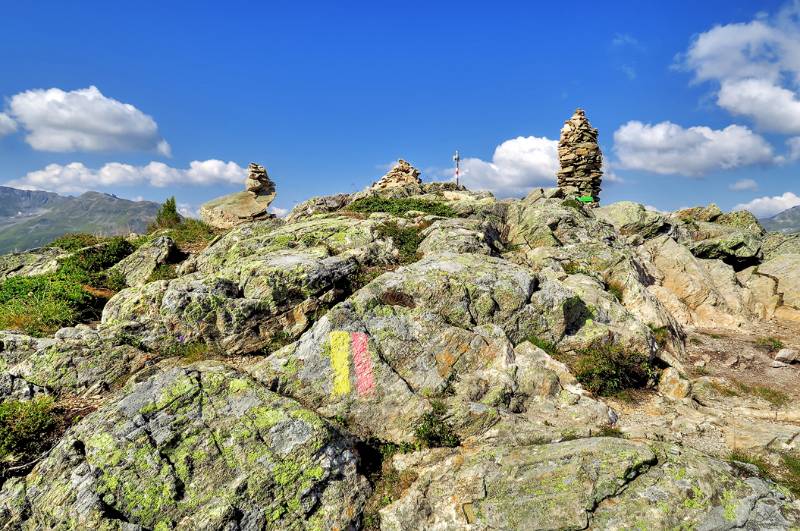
(23, 425)
(545, 345)
(163, 272)
(607, 369)
(167, 216)
(192, 235)
(433, 430)
(75, 241)
(399, 206)
(406, 239)
(616, 290)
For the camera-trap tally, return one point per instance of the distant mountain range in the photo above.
(786, 221)
(31, 218)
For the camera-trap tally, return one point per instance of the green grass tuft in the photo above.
(399, 207)
(406, 239)
(23, 425)
(770, 344)
(608, 369)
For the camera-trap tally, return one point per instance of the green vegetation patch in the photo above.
(433, 429)
(23, 427)
(167, 216)
(77, 291)
(770, 344)
(609, 369)
(75, 241)
(399, 206)
(406, 239)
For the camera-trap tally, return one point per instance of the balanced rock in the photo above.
(580, 159)
(233, 209)
(401, 174)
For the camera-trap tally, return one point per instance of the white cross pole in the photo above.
(457, 158)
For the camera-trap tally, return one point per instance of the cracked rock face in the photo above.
(599, 483)
(198, 447)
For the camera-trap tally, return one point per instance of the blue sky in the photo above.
(326, 95)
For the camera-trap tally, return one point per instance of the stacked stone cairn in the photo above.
(402, 174)
(250, 205)
(581, 160)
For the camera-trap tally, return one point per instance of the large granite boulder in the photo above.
(631, 218)
(201, 447)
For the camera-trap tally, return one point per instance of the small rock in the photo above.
(731, 361)
(787, 355)
(673, 385)
(778, 364)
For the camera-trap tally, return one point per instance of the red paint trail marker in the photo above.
(362, 362)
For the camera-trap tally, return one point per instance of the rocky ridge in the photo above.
(316, 373)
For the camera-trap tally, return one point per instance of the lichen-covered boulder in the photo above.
(631, 218)
(137, 267)
(34, 262)
(76, 361)
(438, 329)
(460, 236)
(777, 243)
(595, 483)
(732, 245)
(201, 447)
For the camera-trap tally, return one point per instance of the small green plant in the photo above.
(773, 396)
(770, 344)
(167, 216)
(163, 272)
(615, 289)
(660, 334)
(189, 351)
(23, 425)
(433, 430)
(115, 281)
(192, 234)
(406, 239)
(607, 369)
(545, 345)
(575, 268)
(399, 206)
(791, 472)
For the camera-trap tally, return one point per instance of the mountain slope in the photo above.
(32, 218)
(786, 221)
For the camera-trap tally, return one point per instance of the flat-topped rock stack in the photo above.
(580, 159)
(401, 174)
(233, 209)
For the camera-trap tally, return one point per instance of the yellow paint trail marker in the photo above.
(340, 362)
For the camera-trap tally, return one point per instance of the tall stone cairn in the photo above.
(258, 181)
(401, 174)
(580, 158)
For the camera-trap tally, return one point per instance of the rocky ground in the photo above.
(420, 356)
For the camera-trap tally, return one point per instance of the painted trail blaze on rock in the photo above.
(340, 362)
(365, 383)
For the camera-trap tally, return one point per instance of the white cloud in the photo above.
(794, 148)
(757, 66)
(668, 148)
(516, 166)
(188, 211)
(76, 177)
(771, 107)
(625, 39)
(764, 207)
(744, 184)
(84, 120)
(278, 211)
(7, 125)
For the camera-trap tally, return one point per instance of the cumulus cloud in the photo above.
(516, 166)
(744, 184)
(83, 120)
(7, 124)
(76, 177)
(667, 148)
(794, 148)
(764, 207)
(757, 66)
(278, 211)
